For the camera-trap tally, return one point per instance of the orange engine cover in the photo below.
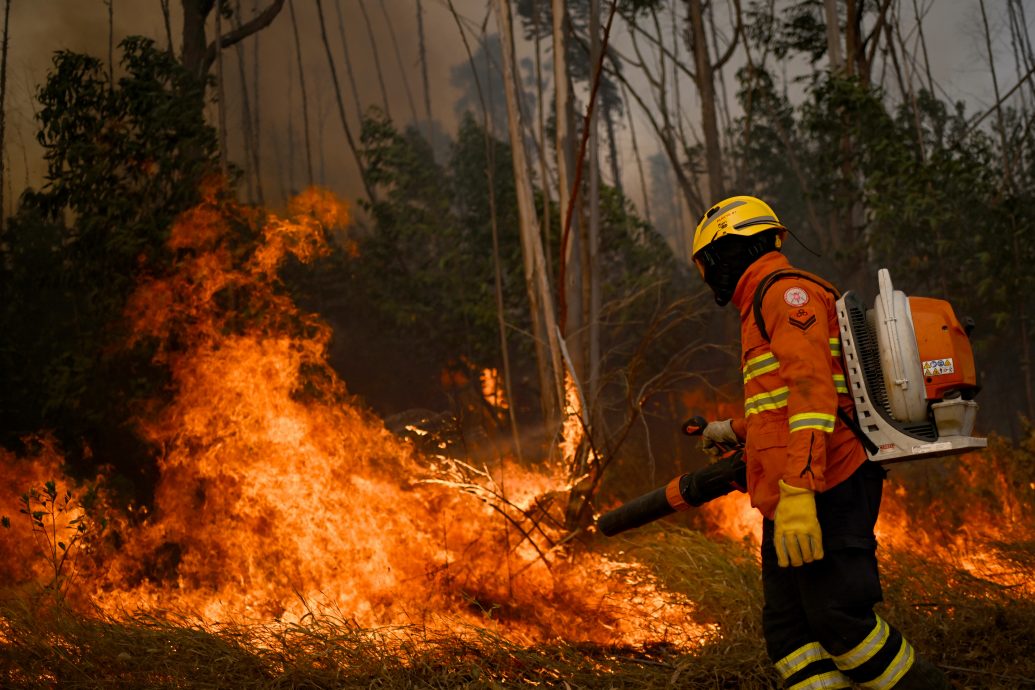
(945, 353)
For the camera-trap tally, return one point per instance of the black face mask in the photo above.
(726, 259)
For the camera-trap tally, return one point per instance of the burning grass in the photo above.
(295, 542)
(979, 631)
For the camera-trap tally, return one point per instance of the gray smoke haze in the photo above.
(41, 27)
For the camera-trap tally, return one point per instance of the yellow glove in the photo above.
(797, 536)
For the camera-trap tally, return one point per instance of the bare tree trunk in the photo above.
(305, 97)
(490, 170)
(569, 282)
(3, 112)
(593, 272)
(250, 138)
(111, 40)
(544, 325)
(221, 96)
(197, 56)
(638, 158)
(341, 107)
(852, 18)
(833, 36)
(291, 135)
(256, 131)
(377, 58)
(1022, 312)
(168, 25)
(706, 90)
(348, 62)
(923, 46)
(246, 124)
(541, 123)
(424, 66)
(399, 62)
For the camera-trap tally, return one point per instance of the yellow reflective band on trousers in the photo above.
(864, 651)
(800, 658)
(770, 400)
(812, 420)
(763, 364)
(831, 680)
(898, 667)
(835, 347)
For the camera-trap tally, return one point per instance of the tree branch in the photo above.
(256, 23)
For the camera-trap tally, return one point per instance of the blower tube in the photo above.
(689, 490)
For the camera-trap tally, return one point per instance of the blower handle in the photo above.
(693, 489)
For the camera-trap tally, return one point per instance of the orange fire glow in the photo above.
(278, 495)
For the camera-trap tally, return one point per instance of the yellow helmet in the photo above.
(741, 216)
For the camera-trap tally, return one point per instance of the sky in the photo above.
(39, 28)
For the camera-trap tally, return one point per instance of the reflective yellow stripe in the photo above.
(763, 364)
(756, 366)
(770, 400)
(831, 680)
(865, 650)
(800, 658)
(898, 667)
(812, 420)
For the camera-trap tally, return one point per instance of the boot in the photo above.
(923, 675)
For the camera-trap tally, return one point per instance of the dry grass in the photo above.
(981, 633)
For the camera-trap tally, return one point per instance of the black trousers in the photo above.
(830, 601)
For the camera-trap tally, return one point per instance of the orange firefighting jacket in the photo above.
(793, 385)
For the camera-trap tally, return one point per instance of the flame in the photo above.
(277, 496)
(493, 389)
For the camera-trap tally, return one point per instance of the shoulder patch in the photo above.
(796, 297)
(802, 319)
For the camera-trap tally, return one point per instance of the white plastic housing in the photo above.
(899, 356)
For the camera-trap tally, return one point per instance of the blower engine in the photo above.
(911, 375)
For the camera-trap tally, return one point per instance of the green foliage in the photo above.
(420, 297)
(911, 187)
(123, 160)
(60, 524)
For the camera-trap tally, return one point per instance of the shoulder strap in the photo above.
(767, 283)
(756, 306)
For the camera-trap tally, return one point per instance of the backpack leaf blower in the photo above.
(911, 376)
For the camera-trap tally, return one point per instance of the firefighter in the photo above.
(807, 471)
